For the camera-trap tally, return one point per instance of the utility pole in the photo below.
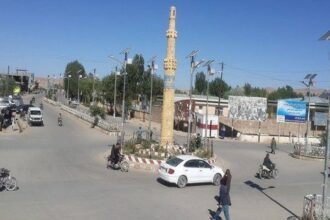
(309, 78)
(94, 86)
(7, 80)
(209, 73)
(326, 36)
(193, 67)
(221, 89)
(115, 94)
(124, 64)
(326, 161)
(153, 67)
(125, 52)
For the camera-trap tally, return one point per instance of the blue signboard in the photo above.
(291, 111)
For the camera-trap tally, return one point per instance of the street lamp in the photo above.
(115, 92)
(94, 86)
(193, 67)
(209, 73)
(79, 76)
(309, 82)
(68, 76)
(326, 36)
(124, 64)
(152, 67)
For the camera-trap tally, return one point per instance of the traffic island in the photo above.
(310, 152)
(148, 155)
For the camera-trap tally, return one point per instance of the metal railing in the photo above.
(313, 210)
(313, 150)
(84, 115)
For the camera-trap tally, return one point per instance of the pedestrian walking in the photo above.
(273, 145)
(224, 197)
(1, 120)
(139, 135)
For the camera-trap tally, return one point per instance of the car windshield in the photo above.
(35, 112)
(174, 161)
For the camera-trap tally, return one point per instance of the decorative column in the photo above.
(168, 94)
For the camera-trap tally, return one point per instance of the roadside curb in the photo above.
(305, 157)
(151, 164)
(144, 164)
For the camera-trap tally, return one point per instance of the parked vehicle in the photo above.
(6, 180)
(35, 116)
(264, 172)
(185, 169)
(4, 103)
(122, 164)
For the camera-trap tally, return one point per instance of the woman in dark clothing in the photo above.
(224, 197)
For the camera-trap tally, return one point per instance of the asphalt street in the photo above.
(61, 176)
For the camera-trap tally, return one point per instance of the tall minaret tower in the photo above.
(168, 94)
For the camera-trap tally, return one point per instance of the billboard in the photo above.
(291, 111)
(247, 108)
(320, 119)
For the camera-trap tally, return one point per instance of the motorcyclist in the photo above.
(59, 119)
(268, 163)
(115, 154)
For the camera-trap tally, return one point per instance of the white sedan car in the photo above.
(184, 169)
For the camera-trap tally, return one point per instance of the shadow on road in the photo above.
(262, 190)
(163, 182)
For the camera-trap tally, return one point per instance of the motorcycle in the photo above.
(122, 164)
(6, 180)
(264, 172)
(59, 121)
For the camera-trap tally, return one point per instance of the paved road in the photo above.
(61, 176)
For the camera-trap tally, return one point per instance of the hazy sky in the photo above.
(266, 43)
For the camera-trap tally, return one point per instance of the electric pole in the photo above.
(221, 87)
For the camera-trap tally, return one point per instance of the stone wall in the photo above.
(269, 127)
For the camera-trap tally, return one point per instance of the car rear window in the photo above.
(174, 161)
(35, 112)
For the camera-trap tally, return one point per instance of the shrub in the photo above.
(323, 139)
(96, 110)
(203, 153)
(129, 147)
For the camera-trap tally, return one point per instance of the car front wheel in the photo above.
(216, 179)
(182, 181)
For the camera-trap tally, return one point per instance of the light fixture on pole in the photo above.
(193, 67)
(210, 72)
(152, 68)
(124, 64)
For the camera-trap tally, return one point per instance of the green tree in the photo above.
(108, 87)
(7, 85)
(254, 91)
(237, 91)
(200, 83)
(247, 89)
(283, 93)
(218, 87)
(74, 69)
